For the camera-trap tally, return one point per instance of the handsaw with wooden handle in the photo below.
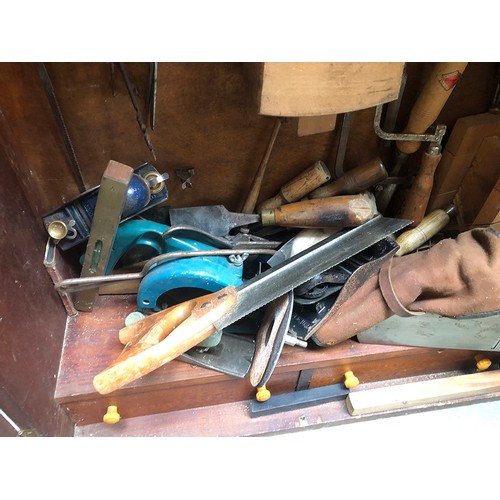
(166, 335)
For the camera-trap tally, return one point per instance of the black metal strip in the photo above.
(298, 399)
(56, 110)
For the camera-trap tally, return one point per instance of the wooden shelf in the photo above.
(91, 344)
(234, 420)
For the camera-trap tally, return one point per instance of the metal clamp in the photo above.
(437, 137)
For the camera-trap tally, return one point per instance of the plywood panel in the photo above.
(322, 88)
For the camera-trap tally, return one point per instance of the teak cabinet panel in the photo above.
(206, 120)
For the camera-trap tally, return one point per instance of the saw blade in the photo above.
(277, 281)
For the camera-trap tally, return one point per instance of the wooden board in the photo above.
(465, 146)
(91, 343)
(489, 215)
(425, 392)
(480, 179)
(309, 125)
(311, 88)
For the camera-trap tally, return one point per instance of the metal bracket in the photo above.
(436, 138)
(185, 175)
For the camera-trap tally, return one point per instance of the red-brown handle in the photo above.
(416, 202)
(354, 181)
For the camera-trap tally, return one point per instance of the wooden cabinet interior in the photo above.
(206, 121)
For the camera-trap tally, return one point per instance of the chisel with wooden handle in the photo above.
(415, 203)
(301, 185)
(336, 211)
(354, 181)
(189, 323)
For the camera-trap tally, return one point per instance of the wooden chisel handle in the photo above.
(354, 181)
(431, 101)
(415, 204)
(311, 178)
(337, 211)
(428, 227)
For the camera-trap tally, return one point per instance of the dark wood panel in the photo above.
(205, 120)
(91, 344)
(396, 365)
(32, 316)
(149, 400)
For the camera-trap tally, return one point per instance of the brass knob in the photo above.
(57, 229)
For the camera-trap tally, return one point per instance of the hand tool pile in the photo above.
(221, 289)
(227, 290)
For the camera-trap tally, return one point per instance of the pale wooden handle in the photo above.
(431, 101)
(430, 226)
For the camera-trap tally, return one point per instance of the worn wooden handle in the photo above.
(429, 227)
(431, 101)
(134, 332)
(185, 326)
(417, 200)
(337, 211)
(354, 181)
(313, 177)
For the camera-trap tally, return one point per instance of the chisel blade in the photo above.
(215, 219)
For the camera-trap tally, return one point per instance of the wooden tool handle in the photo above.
(313, 177)
(134, 332)
(417, 200)
(429, 227)
(184, 327)
(251, 201)
(431, 101)
(338, 211)
(354, 181)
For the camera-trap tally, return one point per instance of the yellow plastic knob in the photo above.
(482, 363)
(112, 416)
(350, 380)
(262, 394)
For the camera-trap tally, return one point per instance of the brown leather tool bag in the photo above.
(456, 277)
